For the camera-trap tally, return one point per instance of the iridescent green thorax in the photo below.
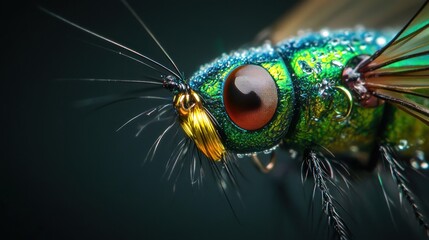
(317, 62)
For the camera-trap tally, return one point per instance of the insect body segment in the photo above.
(327, 115)
(213, 83)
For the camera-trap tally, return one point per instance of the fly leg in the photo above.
(322, 173)
(396, 170)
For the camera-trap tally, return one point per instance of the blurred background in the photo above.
(66, 174)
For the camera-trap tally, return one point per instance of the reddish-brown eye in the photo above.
(250, 97)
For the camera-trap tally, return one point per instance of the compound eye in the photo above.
(250, 97)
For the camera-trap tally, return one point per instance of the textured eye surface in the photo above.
(250, 97)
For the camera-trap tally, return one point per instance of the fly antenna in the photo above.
(136, 16)
(109, 41)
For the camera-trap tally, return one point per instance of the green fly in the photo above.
(348, 96)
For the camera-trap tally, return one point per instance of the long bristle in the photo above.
(321, 178)
(397, 172)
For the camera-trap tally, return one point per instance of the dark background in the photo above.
(66, 174)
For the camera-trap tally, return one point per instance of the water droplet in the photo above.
(420, 155)
(345, 42)
(293, 153)
(354, 149)
(414, 163)
(296, 44)
(403, 145)
(324, 32)
(305, 67)
(355, 40)
(224, 185)
(337, 63)
(381, 41)
(335, 41)
(368, 37)
(419, 161)
(267, 151)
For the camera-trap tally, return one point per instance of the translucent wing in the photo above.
(317, 14)
(399, 73)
